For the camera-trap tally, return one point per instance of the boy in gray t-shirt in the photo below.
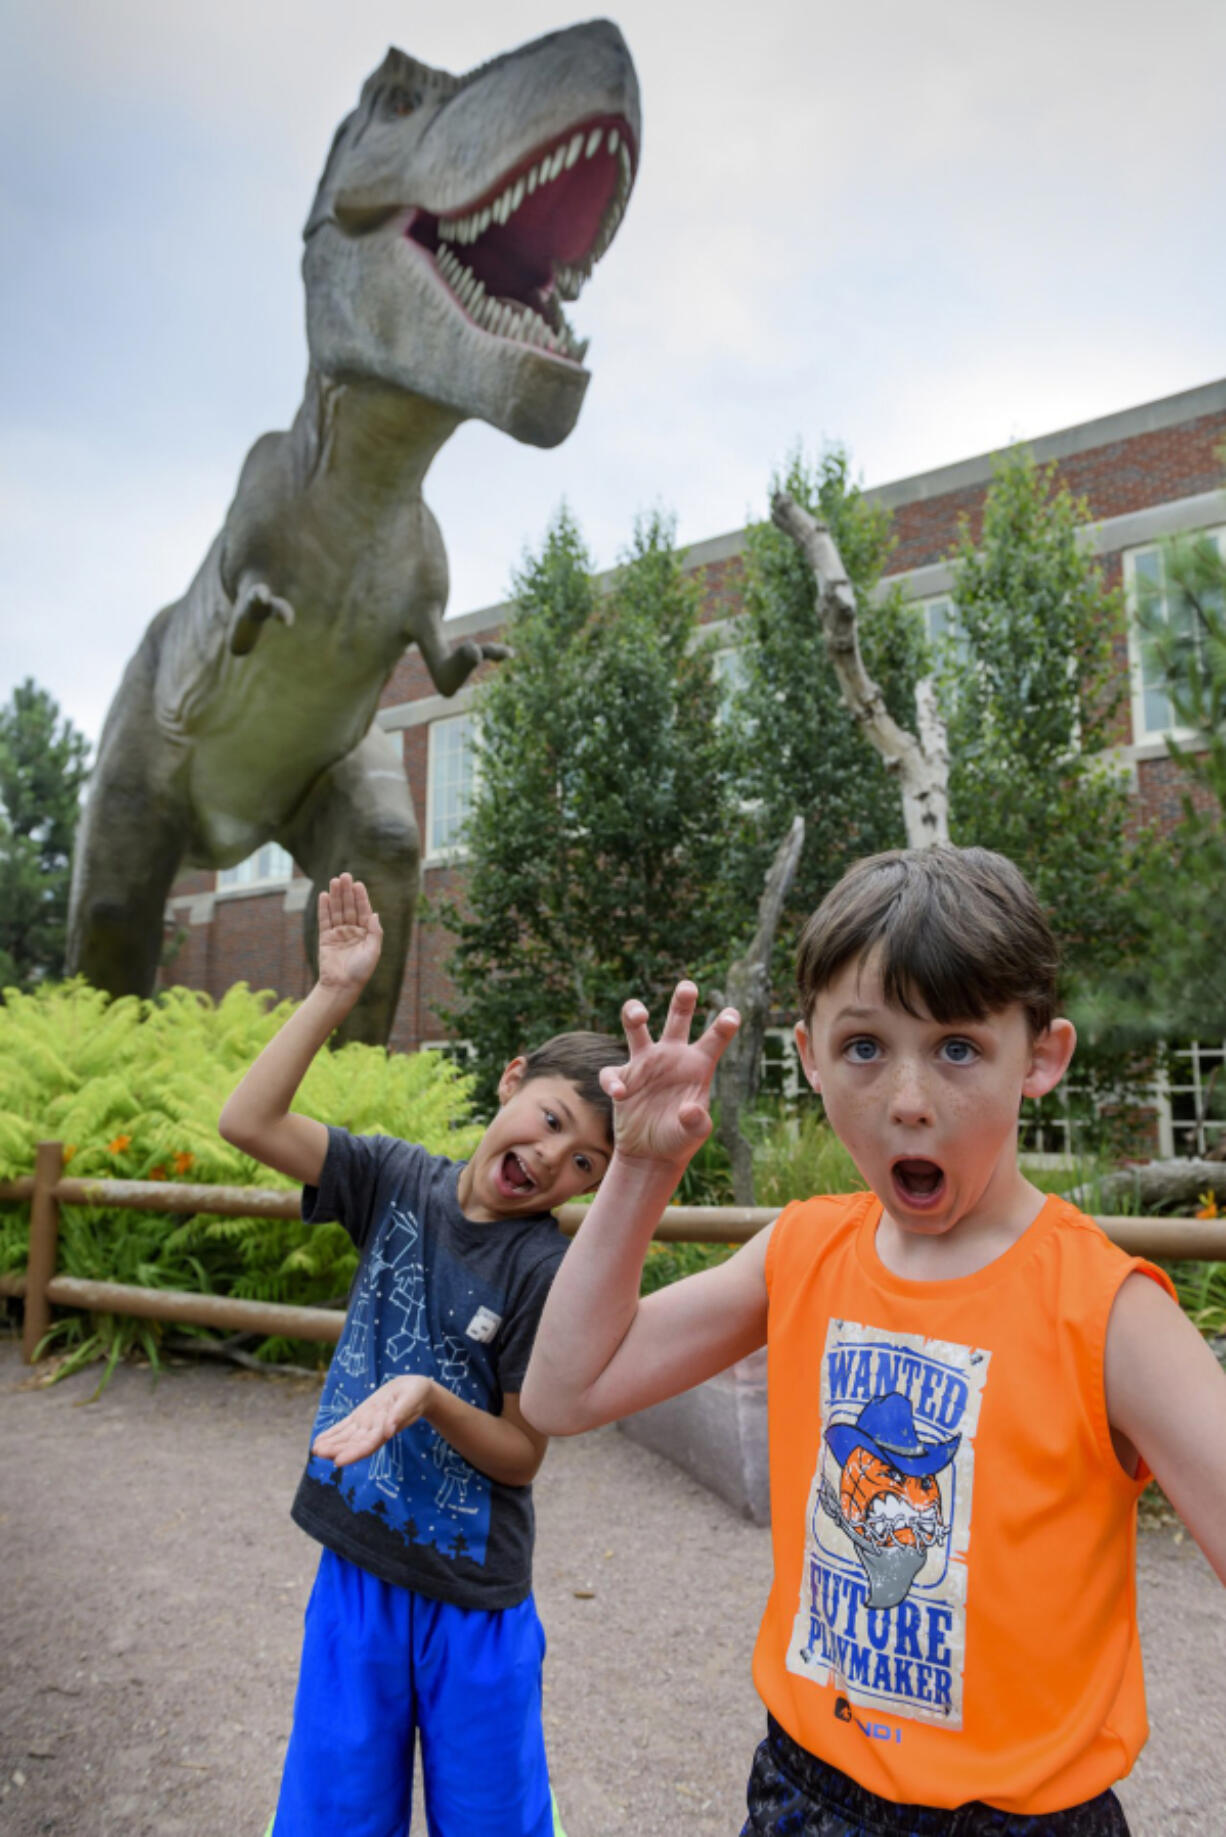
(419, 1480)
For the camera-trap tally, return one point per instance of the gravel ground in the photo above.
(154, 1588)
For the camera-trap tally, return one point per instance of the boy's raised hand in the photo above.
(350, 935)
(661, 1097)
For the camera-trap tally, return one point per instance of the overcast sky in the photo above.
(918, 230)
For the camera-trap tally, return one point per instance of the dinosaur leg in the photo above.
(359, 817)
(127, 853)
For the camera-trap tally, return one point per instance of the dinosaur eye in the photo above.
(401, 102)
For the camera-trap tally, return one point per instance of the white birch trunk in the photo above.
(921, 765)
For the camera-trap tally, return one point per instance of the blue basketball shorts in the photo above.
(381, 1664)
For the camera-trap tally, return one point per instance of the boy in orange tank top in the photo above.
(969, 1385)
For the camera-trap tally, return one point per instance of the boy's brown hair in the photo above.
(580, 1058)
(957, 931)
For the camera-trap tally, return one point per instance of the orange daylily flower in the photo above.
(182, 1161)
(119, 1144)
(156, 1173)
(1208, 1206)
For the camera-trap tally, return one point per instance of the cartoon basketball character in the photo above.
(889, 1498)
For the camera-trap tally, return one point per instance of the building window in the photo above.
(941, 628)
(451, 778)
(1152, 594)
(782, 1073)
(730, 674)
(461, 1053)
(270, 865)
(1192, 1106)
(938, 616)
(1045, 1127)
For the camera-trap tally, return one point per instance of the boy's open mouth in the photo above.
(513, 1176)
(921, 1183)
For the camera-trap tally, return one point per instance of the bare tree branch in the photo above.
(748, 990)
(922, 765)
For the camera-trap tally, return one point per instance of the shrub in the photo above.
(134, 1089)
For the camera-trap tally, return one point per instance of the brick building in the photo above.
(1146, 473)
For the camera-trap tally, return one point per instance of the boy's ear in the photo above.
(1049, 1057)
(512, 1078)
(805, 1049)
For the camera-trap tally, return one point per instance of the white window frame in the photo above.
(461, 1052)
(728, 671)
(1141, 733)
(927, 606)
(436, 851)
(1187, 1073)
(792, 1084)
(243, 877)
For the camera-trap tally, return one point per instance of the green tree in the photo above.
(1033, 690)
(799, 751)
(43, 765)
(1173, 986)
(598, 827)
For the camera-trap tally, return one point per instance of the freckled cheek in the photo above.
(854, 1117)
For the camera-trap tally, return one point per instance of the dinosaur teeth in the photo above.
(508, 318)
(562, 158)
(545, 329)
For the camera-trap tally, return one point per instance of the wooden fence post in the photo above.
(44, 1245)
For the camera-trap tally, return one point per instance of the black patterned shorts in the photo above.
(793, 1794)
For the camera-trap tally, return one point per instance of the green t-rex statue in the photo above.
(454, 216)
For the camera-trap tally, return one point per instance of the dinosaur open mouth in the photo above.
(512, 255)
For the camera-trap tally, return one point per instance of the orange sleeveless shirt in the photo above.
(953, 1611)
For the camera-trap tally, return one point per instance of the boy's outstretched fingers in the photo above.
(722, 1029)
(635, 1025)
(661, 1095)
(681, 1011)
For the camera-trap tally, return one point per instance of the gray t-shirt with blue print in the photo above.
(438, 1293)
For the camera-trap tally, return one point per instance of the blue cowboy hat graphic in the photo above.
(886, 1427)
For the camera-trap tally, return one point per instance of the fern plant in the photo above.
(134, 1088)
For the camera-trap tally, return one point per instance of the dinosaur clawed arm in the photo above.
(451, 668)
(256, 604)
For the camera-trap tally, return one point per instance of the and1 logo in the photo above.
(876, 1731)
(882, 1609)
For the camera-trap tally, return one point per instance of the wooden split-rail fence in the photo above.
(1194, 1239)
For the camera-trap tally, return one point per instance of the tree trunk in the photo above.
(922, 766)
(748, 989)
(1155, 1183)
